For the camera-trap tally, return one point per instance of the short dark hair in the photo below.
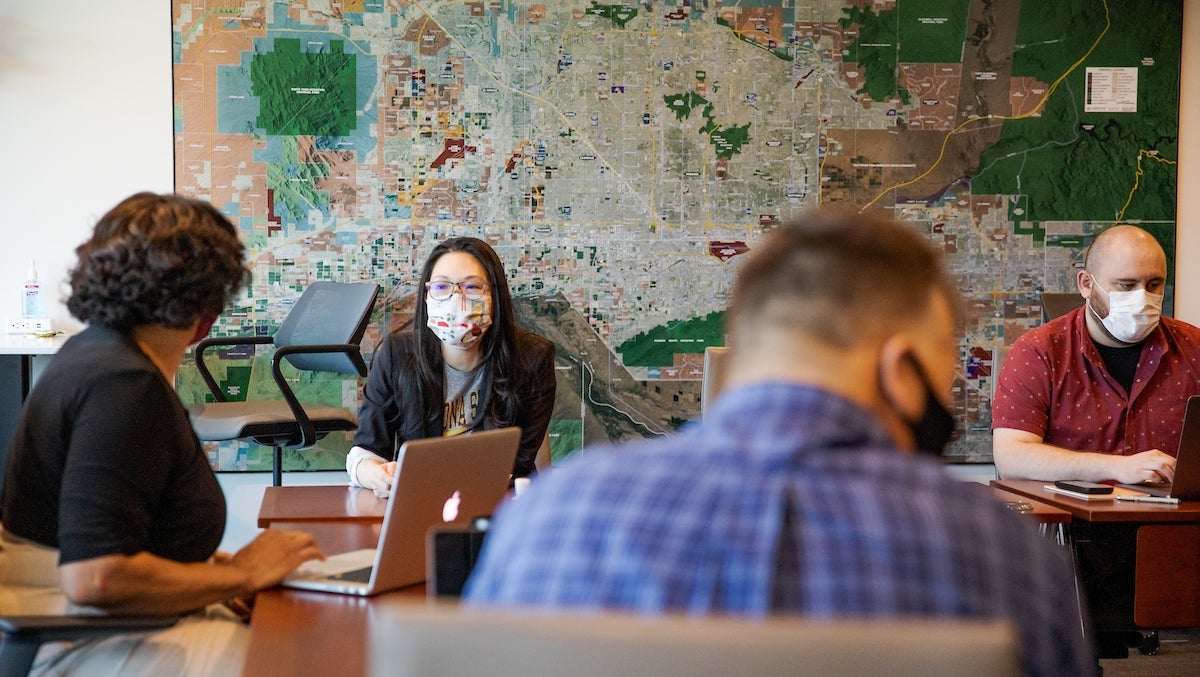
(838, 276)
(156, 259)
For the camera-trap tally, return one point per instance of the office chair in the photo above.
(428, 641)
(716, 360)
(1056, 304)
(321, 333)
(22, 636)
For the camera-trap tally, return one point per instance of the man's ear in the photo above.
(1084, 281)
(899, 383)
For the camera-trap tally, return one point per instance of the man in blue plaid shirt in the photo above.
(804, 490)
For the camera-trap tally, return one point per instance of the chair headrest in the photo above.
(328, 313)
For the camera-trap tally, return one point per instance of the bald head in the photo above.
(1118, 244)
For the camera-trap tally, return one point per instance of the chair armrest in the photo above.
(22, 636)
(351, 350)
(308, 435)
(57, 628)
(223, 341)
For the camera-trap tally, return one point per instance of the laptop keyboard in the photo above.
(362, 575)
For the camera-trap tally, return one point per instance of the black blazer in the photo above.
(392, 411)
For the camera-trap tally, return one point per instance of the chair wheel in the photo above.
(1150, 644)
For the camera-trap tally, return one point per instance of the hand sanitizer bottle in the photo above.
(33, 303)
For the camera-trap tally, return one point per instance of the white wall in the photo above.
(1187, 237)
(85, 119)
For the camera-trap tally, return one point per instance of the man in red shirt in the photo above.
(1099, 393)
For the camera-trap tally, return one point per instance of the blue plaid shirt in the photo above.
(783, 499)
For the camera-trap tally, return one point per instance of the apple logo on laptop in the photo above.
(450, 508)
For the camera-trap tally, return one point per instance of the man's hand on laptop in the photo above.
(1147, 467)
(377, 476)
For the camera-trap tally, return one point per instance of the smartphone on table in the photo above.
(1084, 487)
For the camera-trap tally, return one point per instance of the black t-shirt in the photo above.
(1121, 362)
(105, 461)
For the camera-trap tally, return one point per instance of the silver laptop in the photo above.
(1186, 484)
(439, 480)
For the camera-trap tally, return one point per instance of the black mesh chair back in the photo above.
(322, 332)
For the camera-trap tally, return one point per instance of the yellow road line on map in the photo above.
(988, 118)
(1137, 177)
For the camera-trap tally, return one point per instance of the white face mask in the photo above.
(457, 321)
(1132, 315)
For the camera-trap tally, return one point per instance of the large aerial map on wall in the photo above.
(623, 157)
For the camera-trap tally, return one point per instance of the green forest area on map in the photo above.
(726, 140)
(618, 14)
(658, 347)
(305, 93)
(921, 40)
(1067, 161)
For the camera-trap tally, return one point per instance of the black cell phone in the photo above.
(1084, 487)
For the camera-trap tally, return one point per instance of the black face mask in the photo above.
(933, 430)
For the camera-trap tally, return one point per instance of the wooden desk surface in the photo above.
(296, 632)
(336, 503)
(1043, 513)
(299, 632)
(1166, 588)
(337, 537)
(1104, 510)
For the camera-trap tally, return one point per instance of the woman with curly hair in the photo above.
(464, 366)
(109, 501)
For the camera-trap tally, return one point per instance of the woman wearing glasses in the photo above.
(463, 366)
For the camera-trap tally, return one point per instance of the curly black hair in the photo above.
(157, 259)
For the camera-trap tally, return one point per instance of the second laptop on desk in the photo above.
(1186, 484)
(438, 480)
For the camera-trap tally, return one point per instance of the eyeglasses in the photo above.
(440, 290)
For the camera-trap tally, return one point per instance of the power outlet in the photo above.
(29, 325)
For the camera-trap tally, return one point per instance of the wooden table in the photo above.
(1104, 510)
(1166, 573)
(1043, 513)
(335, 503)
(296, 632)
